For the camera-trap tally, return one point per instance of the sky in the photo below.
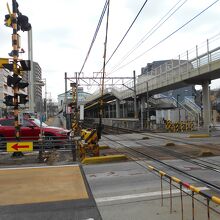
(63, 31)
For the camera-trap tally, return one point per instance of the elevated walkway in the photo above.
(194, 67)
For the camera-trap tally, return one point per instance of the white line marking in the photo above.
(23, 168)
(141, 195)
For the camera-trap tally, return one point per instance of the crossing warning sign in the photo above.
(19, 146)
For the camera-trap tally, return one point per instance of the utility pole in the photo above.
(65, 97)
(148, 108)
(101, 102)
(67, 115)
(31, 72)
(178, 106)
(135, 96)
(45, 95)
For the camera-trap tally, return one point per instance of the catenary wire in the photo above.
(151, 31)
(104, 63)
(126, 33)
(161, 41)
(95, 35)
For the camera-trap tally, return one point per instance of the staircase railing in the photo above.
(192, 105)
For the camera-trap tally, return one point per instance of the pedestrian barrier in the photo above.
(188, 188)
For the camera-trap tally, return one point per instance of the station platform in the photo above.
(55, 192)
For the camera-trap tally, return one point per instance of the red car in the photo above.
(30, 130)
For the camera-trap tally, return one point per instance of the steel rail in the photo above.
(180, 140)
(197, 179)
(183, 156)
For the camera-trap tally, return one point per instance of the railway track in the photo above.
(145, 151)
(142, 151)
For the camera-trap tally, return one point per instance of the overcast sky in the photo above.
(63, 30)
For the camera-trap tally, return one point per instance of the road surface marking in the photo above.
(37, 167)
(141, 195)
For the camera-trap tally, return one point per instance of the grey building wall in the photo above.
(37, 88)
(37, 76)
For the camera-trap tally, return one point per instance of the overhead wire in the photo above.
(99, 128)
(168, 36)
(151, 32)
(126, 33)
(95, 35)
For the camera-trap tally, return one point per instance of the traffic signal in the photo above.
(23, 65)
(8, 22)
(9, 100)
(22, 20)
(8, 66)
(23, 23)
(22, 85)
(14, 80)
(22, 99)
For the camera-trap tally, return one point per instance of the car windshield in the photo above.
(38, 123)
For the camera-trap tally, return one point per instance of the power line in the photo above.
(103, 75)
(95, 35)
(161, 41)
(127, 31)
(151, 32)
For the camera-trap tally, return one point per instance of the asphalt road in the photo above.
(127, 191)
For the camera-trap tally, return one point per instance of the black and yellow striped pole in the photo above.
(16, 21)
(15, 67)
(74, 108)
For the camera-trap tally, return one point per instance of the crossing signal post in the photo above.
(17, 22)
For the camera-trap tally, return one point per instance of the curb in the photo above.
(104, 159)
(199, 135)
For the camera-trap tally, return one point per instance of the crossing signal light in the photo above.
(8, 66)
(23, 22)
(22, 99)
(14, 80)
(9, 100)
(22, 85)
(8, 22)
(24, 65)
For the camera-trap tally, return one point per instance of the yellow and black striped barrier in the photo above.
(90, 148)
(189, 187)
(179, 126)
